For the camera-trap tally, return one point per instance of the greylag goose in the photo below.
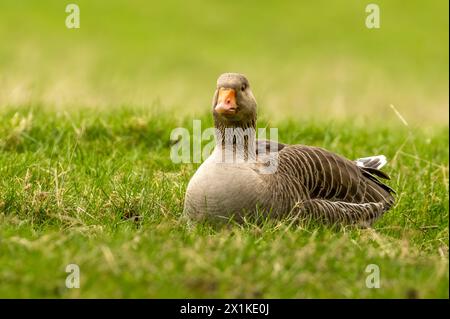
(308, 182)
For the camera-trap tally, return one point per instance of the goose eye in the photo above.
(243, 87)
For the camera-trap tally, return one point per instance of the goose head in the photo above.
(234, 104)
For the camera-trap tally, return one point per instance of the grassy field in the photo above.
(85, 122)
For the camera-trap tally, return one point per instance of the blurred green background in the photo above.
(305, 59)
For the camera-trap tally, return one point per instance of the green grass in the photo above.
(99, 190)
(85, 120)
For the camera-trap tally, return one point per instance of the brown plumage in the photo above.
(309, 182)
(326, 186)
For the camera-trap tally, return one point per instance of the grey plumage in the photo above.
(309, 182)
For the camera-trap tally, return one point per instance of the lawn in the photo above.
(85, 171)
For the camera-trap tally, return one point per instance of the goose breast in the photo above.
(221, 190)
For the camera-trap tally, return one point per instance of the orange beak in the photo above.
(226, 102)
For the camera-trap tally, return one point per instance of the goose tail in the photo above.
(376, 162)
(371, 166)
